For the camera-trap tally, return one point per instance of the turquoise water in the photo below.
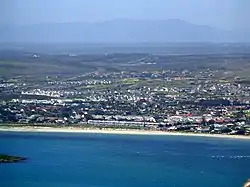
(92, 160)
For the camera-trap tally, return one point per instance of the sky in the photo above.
(224, 14)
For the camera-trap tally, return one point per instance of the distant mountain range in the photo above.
(119, 31)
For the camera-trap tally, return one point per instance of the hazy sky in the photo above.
(220, 13)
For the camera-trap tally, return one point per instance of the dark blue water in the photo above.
(88, 160)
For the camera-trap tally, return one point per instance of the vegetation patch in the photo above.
(10, 159)
(130, 81)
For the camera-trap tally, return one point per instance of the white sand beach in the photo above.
(113, 131)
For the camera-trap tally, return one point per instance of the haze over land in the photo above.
(119, 31)
(112, 21)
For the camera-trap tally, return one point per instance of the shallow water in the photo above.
(98, 160)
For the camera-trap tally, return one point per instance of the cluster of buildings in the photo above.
(161, 100)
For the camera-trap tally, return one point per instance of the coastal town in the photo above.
(122, 93)
(144, 92)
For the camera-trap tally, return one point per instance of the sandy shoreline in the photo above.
(113, 131)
